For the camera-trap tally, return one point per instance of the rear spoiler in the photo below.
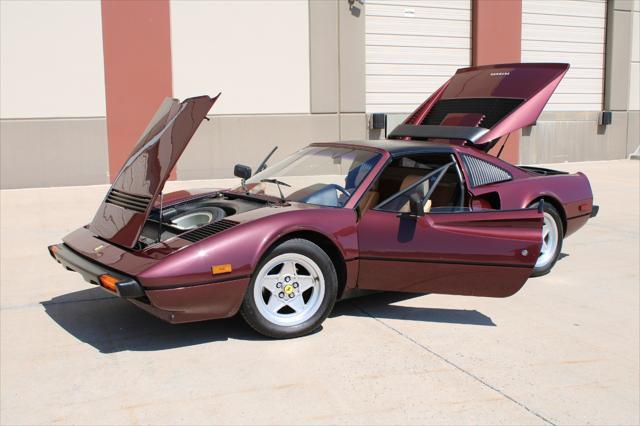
(469, 134)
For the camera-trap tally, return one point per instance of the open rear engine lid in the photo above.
(123, 212)
(499, 98)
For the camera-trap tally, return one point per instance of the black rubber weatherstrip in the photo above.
(471, 134)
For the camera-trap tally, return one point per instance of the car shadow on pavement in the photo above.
(381, 305)
(111, 324)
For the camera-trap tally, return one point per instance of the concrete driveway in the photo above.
(564, 350)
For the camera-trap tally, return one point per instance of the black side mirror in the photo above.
(415, 205)
(242, 171)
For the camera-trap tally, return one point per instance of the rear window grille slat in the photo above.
(208, 230)
(484, 173)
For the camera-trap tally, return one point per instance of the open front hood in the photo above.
(485, 102)
(125, 209)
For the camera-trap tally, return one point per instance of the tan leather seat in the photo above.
(407, 182)
(371, 198)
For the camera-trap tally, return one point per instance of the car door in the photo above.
(456, 251)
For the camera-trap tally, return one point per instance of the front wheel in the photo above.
(552, 233)
(292, 290)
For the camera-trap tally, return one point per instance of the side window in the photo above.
(404, 172)
(419, 192)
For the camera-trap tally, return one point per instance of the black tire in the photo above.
(545, 268)
(262, 325)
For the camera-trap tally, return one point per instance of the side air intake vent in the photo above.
(494, 109)
(208, 230)
(484, 173)
(128, 201)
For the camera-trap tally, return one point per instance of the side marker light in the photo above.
(221, 269)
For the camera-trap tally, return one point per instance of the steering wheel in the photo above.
(341, 189)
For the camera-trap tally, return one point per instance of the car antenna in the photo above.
(160, 218)
(263, 165)
(503, 145)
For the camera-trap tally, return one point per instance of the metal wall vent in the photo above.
(208, 230)
(484, 173)
(138, 203)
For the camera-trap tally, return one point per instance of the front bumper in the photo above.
(174, 305)
(126, 287)
(195, 303)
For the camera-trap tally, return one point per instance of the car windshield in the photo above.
(321, 175)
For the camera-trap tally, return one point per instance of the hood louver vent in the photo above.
(208, 230)
(128, 201)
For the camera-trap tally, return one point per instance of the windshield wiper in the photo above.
(278, 183)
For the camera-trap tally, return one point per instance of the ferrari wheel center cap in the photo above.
(288, 289)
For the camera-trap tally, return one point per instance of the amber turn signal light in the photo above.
(109, 282)
(221, 269)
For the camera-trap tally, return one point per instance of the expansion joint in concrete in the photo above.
(454, 365)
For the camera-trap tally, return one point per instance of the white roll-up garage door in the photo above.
(634, 84)
(412, 47)
(570, 31)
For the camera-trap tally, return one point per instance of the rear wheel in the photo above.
(292, 291)
(552, 233)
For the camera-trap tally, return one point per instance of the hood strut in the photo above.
(503, 145)
(160, 217)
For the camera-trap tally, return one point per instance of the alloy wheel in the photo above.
(289, 289)
(550, 238)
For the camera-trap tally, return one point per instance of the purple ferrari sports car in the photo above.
(427, 211)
